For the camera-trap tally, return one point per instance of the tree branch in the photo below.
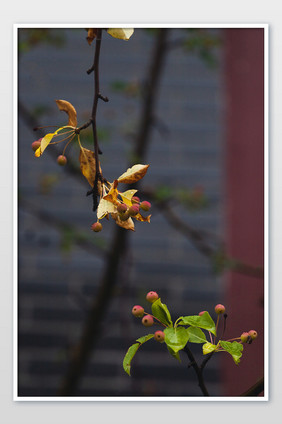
(256, 389)
(92, 327)
(198, 370)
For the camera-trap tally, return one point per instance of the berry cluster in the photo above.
(124, 211)
(246, 336)
(148, 319)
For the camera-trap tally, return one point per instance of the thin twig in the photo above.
(92, 327)
(256, 389)
(93, 117)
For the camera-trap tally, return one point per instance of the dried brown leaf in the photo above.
(67, 107)
(127, 225)
(91, 35)
(142, 218)
(88, 167)
(133, 174)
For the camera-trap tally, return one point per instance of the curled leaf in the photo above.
(121, 33)
(88, 166)
(91, 35)
(127, 196)
(67, 107)
(161, 312)
(133, 174)
(112, 195)
(46, 140)
(132, 351)
(235, 349)
(142, 218)
(208, 348)
(202, 321)
(127, 225)
(44, 143)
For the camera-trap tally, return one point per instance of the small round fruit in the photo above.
(201, 313)
(135, 199)
(36, 144)
(159, 336)
(253, 334)
(96, 227)
(138, 311)
(62, 160)
(148, 320)
(219, 309)
(145, 206)
(124, 216)
(121, 208)
(244, 337)
(133, 210)
(152, 296)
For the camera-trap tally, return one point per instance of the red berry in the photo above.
(219, 309)
(152, 296)
(36, 144)
(201, 313)
(145, 206)
(138, 311)
(121, 208)
(148, 320)
(253, 334)
(97, 227)
(135, 199)
(159, 336)
(62, 160)
(244, 337)
(133, 210)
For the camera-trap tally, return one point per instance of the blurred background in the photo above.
(189, 102)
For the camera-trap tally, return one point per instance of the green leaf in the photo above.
(176, 338)
(160, 311)
(144, 339)
(208, 348)
(174, 354)
(132, 351)
(203, 321)
(196, 335)
(234, 348)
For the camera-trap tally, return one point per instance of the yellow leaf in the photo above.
(141, 218)
(104, 208)
(44, 143)
(127, 225)
(88, 166)
(208, 348)
(127, 196)
(133, 174)
(113, 193)
(91, 35)
(46, 140)
(67, 107)
(121, 33)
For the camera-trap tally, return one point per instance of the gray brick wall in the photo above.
(55, 287)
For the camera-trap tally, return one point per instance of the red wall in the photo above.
(244, 74)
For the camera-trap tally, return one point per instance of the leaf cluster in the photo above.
(186, 329)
